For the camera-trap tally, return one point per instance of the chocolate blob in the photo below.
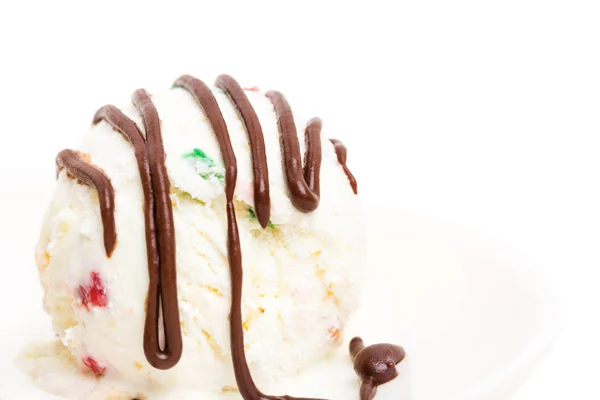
(375, 364)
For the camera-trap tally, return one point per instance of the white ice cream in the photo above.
(301, 275)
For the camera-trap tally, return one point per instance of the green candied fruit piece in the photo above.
(217, 175)
(253, 217)
(199, 155)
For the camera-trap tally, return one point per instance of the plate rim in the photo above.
(545, 290)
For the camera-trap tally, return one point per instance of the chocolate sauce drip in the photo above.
(160, 232)
(342, 153)
(375, 364)
(91, 175)
(262, 199)
(208, 103)
(313, 155)
(304, 197)
(164, 282)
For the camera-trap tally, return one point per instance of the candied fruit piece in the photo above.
(94, 293)
(94, 366)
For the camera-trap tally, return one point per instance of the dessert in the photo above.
(189, 243)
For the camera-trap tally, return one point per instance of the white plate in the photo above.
(474, 317)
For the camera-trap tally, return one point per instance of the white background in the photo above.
(485, 113)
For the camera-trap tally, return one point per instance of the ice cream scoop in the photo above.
(194, 241)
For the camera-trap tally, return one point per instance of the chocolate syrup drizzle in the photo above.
(91, 175)
(303, 184)
(160, 230)
(342, 154)
(375, 364)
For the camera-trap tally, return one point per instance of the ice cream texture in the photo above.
(302, 268)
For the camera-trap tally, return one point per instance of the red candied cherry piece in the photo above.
(97, 291)
(93, 294)
(93, 366)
